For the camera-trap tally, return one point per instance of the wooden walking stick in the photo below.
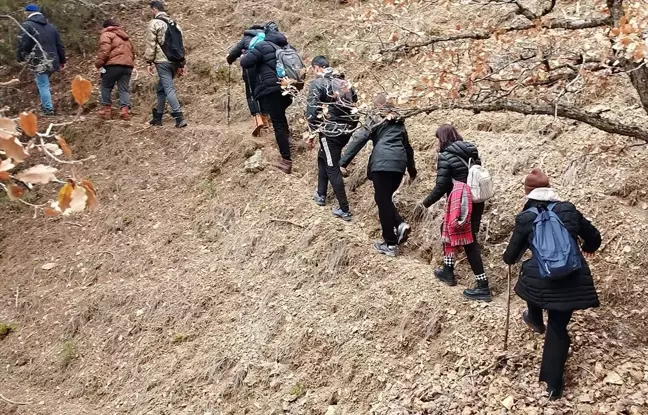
(508, 308)
(229, 93)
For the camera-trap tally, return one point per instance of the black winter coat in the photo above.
(338, 120)
(263, 58)
(451, 165)
(575, 292)
(50, 40)
(391, 147)
(244, 44)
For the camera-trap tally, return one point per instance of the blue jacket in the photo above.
(49, 38)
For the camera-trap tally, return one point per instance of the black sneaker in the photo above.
(446, 275)
(345, 216)
(319, 200)
(386, 249)
(481, 292)
(538, 328)
(403, 232)
(47, 113)
(554, 393)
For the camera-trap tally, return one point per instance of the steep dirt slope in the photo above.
(199, 288)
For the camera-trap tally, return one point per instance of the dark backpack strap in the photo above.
(551, 206)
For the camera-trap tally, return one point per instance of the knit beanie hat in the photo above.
(32, 8)
(535, 180)
(110, 23)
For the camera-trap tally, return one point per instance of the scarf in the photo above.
(456, 230)
(544, 194)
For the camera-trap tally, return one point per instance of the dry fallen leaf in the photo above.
(54, 149)
(4, 175)
(92, 202)
(38, 174)
(49, 212)
(61, 141)
(508, 403)
(613, 378)
(13, 148)
(14, 192)
(29, 123)
(81, 90)
(7, 128)
(48, 266)
(65, 196)
(6, 165)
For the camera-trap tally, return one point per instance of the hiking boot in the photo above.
(157, 118)
(266, 121)
(385, 249)
(446, 275)
(47, 113)
(105, 112)
(538, 328)
(179, 118)
(403, 232)
(554, 393)
(124, 114)
(345, 216)
(258, 125)
(283, 165)
(319, 200)
(481, 292)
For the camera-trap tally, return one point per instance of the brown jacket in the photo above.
(115, 48)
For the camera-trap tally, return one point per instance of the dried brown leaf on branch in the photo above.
(38, 174)
(14, 192)
(4, 176)
(65, 196)
(29, 123)
(7, 128)
(49, 212)
(13, 148)
(92, 202)
(63, 144)
(81, 90)
(6, 165)
(78, 199)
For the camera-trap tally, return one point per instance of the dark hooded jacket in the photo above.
(391, 152)
(452, 165)
(49, 38)
(575, 292)
(244, 44)
(263, 58)
(338, 120)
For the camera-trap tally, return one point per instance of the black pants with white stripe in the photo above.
(328, 162)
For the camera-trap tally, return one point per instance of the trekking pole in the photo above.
(229, 94)
(508, 308)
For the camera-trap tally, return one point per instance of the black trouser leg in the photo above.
(331, 151)
(475, 218)
(474, 258)
(249, 75)
(385, 184)
(276, 105)
(123, 87)
(322, 177)
(556, 348)
(108, 81)
(535, 314)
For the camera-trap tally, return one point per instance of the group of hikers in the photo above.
(555, 278)
(41, 48)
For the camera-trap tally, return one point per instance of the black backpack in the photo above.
(173, 46)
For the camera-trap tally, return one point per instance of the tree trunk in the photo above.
(639, 78)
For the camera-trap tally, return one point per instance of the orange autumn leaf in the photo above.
(49, 212)
(65, 195)
(63, 144)
(92, 203)
(81, 90)
(615, 32)
(4, 175)
(14, 192)
(13, 148)
(29, 123)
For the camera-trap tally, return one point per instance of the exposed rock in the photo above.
(256, 163)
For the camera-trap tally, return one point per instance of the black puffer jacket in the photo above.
(575, 292)
(391, 147)
(264, 58)
(338, 119)
(451, 165)
(50, 40)
(244, 44)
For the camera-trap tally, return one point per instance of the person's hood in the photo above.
(119, 31)
(543, 194)
(277, 38)
(38, 18)
(463, 149)
(252, 32)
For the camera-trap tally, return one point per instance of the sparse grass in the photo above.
(297, 390)
(68, 353)
(178, 338)
(7, 329)
(208, 187)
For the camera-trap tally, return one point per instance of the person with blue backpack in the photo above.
(251, 36)
(556, 278)
(277, 66)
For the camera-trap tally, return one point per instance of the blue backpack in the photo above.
(260, 37)
(553, 247)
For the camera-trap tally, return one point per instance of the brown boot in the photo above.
(283, 165)
(266, 121)
(105, 112)
(258, 125)
(124, 115)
